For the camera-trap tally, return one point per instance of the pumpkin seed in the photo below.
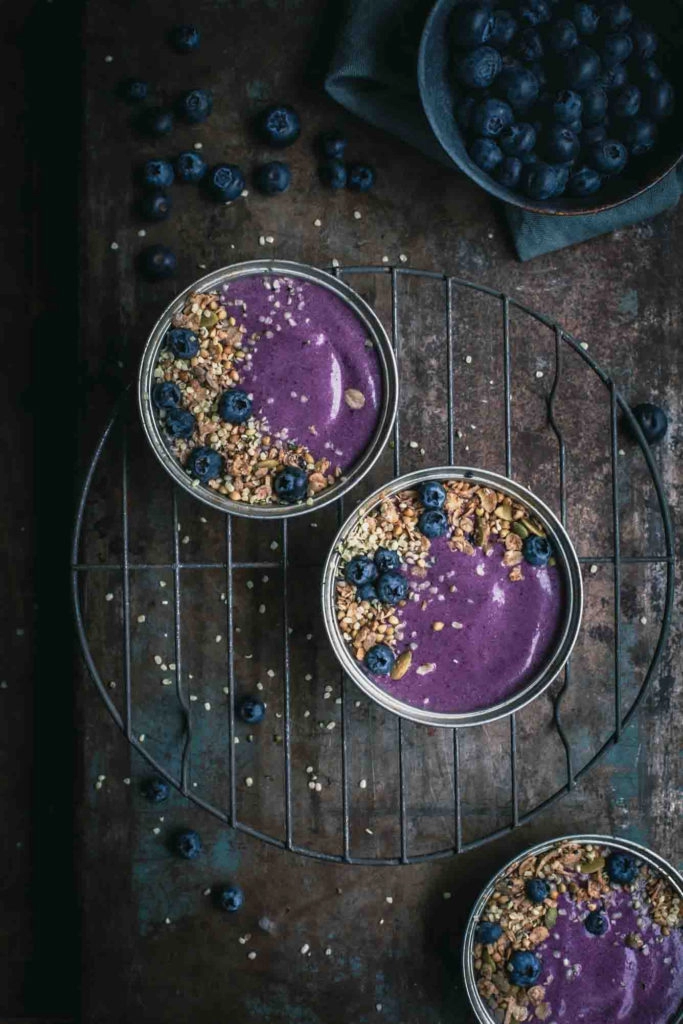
(402, 664)
(504, 512)
(590, 867)
(520, 530)
(550, 917)
(532, 528)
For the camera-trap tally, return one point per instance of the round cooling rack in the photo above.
(182, 610)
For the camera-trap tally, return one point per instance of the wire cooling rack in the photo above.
(328, 774)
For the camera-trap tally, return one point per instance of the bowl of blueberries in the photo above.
(557, 106)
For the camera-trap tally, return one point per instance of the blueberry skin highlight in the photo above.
(251, 710)
(478, 68)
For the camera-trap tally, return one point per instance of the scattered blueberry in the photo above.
(616, 48)
(179, 423)
(279, 126)
(332, 146)
(156, 121)
(608, 156)
(291, 484)
(537, 550)
(488, 932)
(639, 136)
(524, 968)
(625, 102)
(478, 68)
(652, 421)
(537, 889)
(561, 36)
(187, 844)
(251, 710)
(539, 180)
(234, 406)
(534, 12)
(471, 26)
(615, 17)
(194, 106)
(432, 494)
(584, 182)
(586, 18)
(621, 868)
(433, 523)
(392, 587)
(182, 342)
(594, 105)
(165, 394)
(658, 100)
(360, 177)
(157, 262)
(490, 117)
(379, 660)
(184, 38)
(519, 86)
(581, 68)
(157, 174)
(596, 923)
(155, 206)
(229, 899)
(360, 570)
(386, 559)
(155, 790)
(273, 178)
(190, 167)
(644, 40)
(529, 45)
(133, 90)
(509, 171)
(567, 106)
(205, 464)
(560, 144)
(504, 28)
(333, 174)
(517, 139)
(225, 182)
(366, 593)
(485, 154)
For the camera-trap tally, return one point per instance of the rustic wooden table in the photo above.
(152, 948)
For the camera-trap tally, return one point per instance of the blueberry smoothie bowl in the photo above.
(578, 930)
(452, 596)
(268, 389)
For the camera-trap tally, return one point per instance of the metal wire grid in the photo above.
(229, 565)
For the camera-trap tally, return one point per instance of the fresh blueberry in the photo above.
(157, 174)
(156, 121)
(504, 28)
(229, 898)
(584, 181)
(272, 178)
(540, 74)
(155, 790)
(529, 158)
(291, 484)
(586, 18)
(524, 968)
(625, 102)
(517, 139)
(539, 180)
(478, 68)
(379, 660)
(616, 48)
(659, 100)
(519, 86)
(182, 342)
(279, 126)
(561, 36)
(333, 174)
(559, 144)
(332, 146)
(190, 167)
(360, 570)
(194, 106)
(485, 154)
(537, 550)
(366, 593)
(614, 77)
(464, 109)
(179, 423)
(133, 90)
(650, 71)
(616, 17)
(386, 559)
(187, 844)
(621, 868)
(595, 133)
(561, 178)
(567, 106)
(575, 126)
(639, 135)
(644, 40)
(471, 26)
(155, 206)
(537, 889)
(490, 117)
(433, 523)
(652, 421)
(360, 177)
(488, 932)
(234, 406)
(166, 394)
(594, 101)
(581, 68)
(508, 172)
(432, 494)
(184, 38)
(608, 156)
(205, 464)
(596, 923)
(157, 262)
(392, 587)
(529, 45)
(225, 182)
(251, 710)
(534, 12)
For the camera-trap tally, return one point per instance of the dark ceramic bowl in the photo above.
(438, 95)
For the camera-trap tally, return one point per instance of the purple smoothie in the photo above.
(307, 349)
(503, 634)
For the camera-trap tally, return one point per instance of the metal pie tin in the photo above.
(567, 562)
(376, 333)
(665, 869)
